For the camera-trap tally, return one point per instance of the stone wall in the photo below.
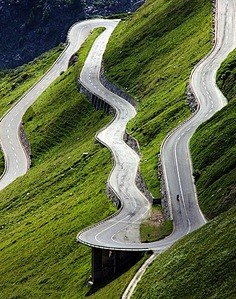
(164, 195)
(213, 21)
(25, 144)
(192, 102)
(115, 89)
(97, 102)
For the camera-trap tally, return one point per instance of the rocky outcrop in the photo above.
(107, 7)
(132, 142)
(113, 196)
(192, 102)
(141, 184)
(31, 27)
(213, 21)
(164, 195)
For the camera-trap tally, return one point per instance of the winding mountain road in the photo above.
(122, 230)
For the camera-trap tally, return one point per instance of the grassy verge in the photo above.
(214, 150)
(151, 55)
(155, 228)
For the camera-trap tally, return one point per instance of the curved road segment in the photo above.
(121, 231)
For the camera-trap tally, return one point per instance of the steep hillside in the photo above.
(151, 56)
(208, 269)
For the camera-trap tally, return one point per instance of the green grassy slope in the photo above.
(214, 149)
(151, 56)
(62, 193)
